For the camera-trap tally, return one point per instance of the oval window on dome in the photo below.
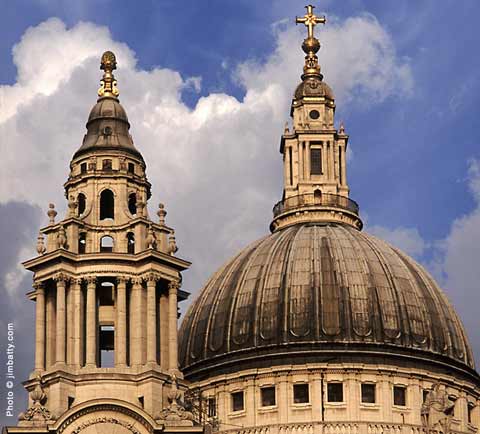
(314, 114)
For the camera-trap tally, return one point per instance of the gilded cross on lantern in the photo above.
(310, 20)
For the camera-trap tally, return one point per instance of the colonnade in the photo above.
(67, 322)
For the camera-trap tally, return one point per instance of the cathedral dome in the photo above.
(316, 291)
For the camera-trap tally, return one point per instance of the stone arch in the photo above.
(107, 204)
(126, 417)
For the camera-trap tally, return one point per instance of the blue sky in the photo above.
(413, 129)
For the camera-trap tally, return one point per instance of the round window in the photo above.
(314, 114)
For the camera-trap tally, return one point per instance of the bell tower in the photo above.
(314, 151)
(106, 287)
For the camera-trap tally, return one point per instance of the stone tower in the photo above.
(314, 151)
(106, 287)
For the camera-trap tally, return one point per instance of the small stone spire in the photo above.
(109, 84)
(311, 45)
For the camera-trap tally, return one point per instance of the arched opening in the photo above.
(317, 196)
(82, 242)
(107, 205)
(82, 203)
(131, 243)
(132, 203)
(106, 244)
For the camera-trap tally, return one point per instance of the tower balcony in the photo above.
(315, 207)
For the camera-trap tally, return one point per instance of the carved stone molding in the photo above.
(122, 279)
(151, 277)
(38, 286)
(61, 277)
(91, 280)
(106, 419)
(173, 285)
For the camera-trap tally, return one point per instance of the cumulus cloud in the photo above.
(216, 166)
(408, 240)
(457, 259)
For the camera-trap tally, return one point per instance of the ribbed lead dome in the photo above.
(312, 290)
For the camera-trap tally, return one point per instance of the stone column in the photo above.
(307, 159)
(172, 326)
(135, 323)
(40, 327)
(344, 168)
(164, 330)
(77, 322)
(301, 171)
(121, 323)
(151, 318)
(288, 180)
(61, 320)
(50, 329)
(331, 161)
(91, 326)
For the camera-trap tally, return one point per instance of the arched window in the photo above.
(106, 244)
(82, 203)
(132, 203)
(131, 243)
(107, 205)
(317, 196)
(82, 242)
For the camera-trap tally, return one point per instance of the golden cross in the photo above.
(310, 20)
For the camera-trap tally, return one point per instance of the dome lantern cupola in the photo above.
(107, 125)
(314, 151)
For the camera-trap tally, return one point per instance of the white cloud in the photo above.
(455, 262)
(216, 166)
(406, 239)
(459, 256)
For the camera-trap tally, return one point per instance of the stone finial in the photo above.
(41, 249)
(175, 413)
(286, 129)
(109, 84)
(341, 129)
(172, 244)
(37, 413)
(72, 206)
(161, 213)
(151, 239)
(51, 213)
(61, 238)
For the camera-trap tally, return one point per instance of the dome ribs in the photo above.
(270, 305)
(243, 308)
(300, 313)
(387, 304)
(437, 341)
(312, 291)
(220, 320)
(361, 294)
(331, 287)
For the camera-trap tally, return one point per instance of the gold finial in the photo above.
(109, 84)
(310, 45)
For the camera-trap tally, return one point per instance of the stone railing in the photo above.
(334, 428)
(311, 200)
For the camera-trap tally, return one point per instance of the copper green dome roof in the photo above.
(313, 292)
